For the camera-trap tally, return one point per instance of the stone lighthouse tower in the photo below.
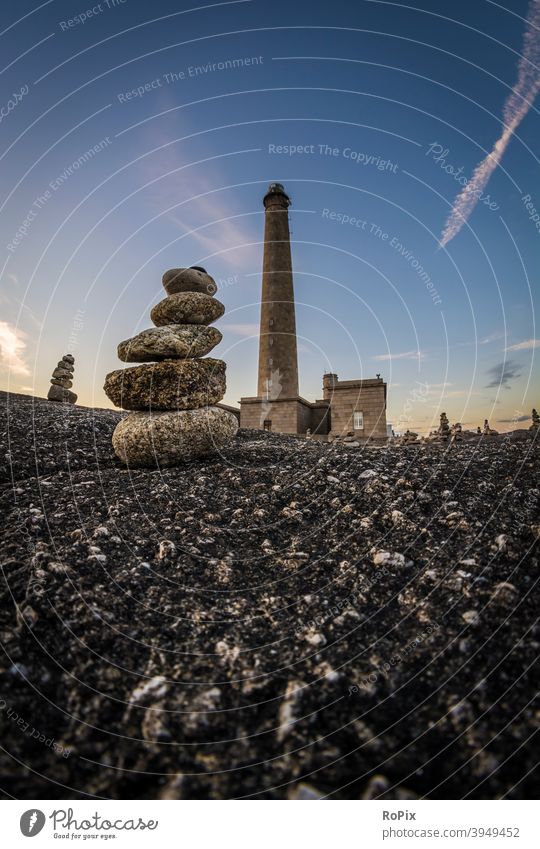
(347, 406)
(278, 359)
(277, 405)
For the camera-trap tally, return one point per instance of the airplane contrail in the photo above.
(517, 104)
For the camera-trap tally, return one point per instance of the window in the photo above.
(358, 421)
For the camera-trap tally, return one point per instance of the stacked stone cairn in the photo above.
(443, 432)
(409, 437)
(172, 396)
(456, 432)
(489, 431)
(62, 381)
(535, 421)
(444, 428)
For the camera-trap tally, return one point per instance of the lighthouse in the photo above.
(348, 407)
(278, 358)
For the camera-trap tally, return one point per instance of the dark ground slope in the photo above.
(363, 621)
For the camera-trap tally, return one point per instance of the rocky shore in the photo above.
(287, 619)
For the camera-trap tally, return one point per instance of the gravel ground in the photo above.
(290, 619)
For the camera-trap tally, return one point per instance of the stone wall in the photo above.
(321, 418)
(348, 396)
(304, 416)
(289, 415)
(333, 414)
(282, 415)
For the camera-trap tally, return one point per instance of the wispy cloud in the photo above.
(217, 239)
(511, 421)
(492, 337)
(171, 179)
(515, 108)
(405, 355)
(486, 340)
(524, 346)
(502, 373)
(453, 393)
(12, 349)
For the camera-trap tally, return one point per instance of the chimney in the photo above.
(329, 381)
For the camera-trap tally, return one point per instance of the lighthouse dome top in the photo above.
(277, 189)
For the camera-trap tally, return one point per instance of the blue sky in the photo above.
(370, 113)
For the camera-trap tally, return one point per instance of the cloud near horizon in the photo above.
(516, 106)
(502, 373)
(511, 421)
(527, 345)
(405, 355)
(12, 348)
(452, 393)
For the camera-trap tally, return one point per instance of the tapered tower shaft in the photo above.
(278, 358)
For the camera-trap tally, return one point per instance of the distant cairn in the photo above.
(444, 428)
(62, 381)
(443, 432)
(535, 421)
(487, 430)
(174, 393)
(456, 433)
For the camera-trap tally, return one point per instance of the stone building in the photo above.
(348, 406)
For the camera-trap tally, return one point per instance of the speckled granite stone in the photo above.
(164, 439)
(187, 308)
(168, 385)
(172, 341)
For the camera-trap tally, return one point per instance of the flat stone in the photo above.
(187, 308)
(62, 372)
(58, 393)
(168, 385)
(165, 439)
(170, 341)
(62, 381)
(188, 280)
